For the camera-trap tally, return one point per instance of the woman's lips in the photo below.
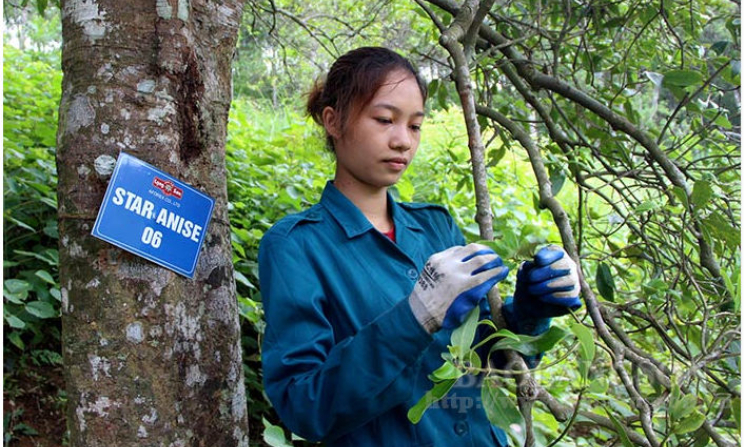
(398, 164)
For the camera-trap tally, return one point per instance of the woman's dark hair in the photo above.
(352, 82)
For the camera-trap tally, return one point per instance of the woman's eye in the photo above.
(383, 120)
(416, 127)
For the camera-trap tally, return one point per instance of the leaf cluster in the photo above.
(31, 293)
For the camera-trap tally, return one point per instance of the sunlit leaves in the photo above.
(30, 101)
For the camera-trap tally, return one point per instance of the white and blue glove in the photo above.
(548, 286)
(452, 283)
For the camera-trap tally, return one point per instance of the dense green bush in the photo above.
(30, 290)
(31, 293)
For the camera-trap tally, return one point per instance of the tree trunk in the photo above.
(151, 357)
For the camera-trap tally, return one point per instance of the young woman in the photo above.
(361, 293)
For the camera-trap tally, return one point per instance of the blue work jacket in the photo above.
(344, 358)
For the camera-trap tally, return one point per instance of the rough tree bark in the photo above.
(151, 358)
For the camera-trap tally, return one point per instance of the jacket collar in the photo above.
(351, 219)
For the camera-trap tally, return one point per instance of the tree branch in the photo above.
(539, 80)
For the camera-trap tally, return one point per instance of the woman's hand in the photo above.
(452, 283)
(547, 286)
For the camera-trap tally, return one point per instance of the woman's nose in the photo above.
(400, 139)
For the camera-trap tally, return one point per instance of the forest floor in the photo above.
(34, 407)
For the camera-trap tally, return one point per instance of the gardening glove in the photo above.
(547, 286)
(452, 283)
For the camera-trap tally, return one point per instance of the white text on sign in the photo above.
(166, 218)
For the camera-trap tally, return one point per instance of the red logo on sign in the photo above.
(168, 188)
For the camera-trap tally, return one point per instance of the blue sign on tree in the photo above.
(151, 214)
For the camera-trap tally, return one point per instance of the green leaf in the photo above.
(472, 360)
(438, 391)
(445, 372)
(26, 430)
(17, 285)
(21, 224)
(557, 178)
(15, 338)
(422, 13)
(442, 96)
(508, 334)
(16, 290)
(718, 117)
(44, 275)
(292, 192)
(605, 281)
(735, 67)
(720, 46)
(274, 435)
(241, 278)
(598, 386)
(701, 438)
(586, 347)
(681, 78)
(496, 156)
(734, 285)
(649, 205)
(683, 407)
(500, 407)
(736, 408)
(15, 298)
(41, 6)
(654, 287)
(721, 229)
(462, 337)
(41, 309)
(680, 193)
(702, 193)
(619, 430)
(50, 259)
(689, 424)
(533, 345)
(14, 321)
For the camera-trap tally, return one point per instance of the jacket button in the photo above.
(461, 428)
(412, 274)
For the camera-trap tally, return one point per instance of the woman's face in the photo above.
(377, 145)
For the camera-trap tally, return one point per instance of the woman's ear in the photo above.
(331, 122)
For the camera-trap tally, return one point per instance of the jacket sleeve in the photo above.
(323, 388)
